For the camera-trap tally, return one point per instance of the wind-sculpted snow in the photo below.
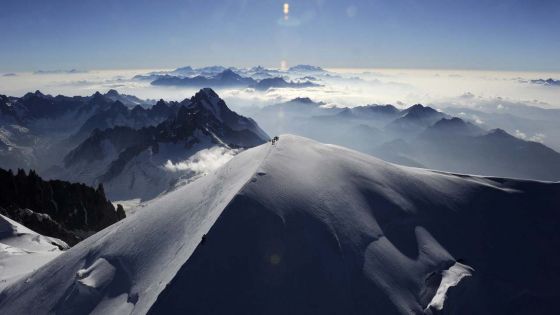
(304, 228)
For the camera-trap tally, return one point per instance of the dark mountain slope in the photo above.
(55, 208)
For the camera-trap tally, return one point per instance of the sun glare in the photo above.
(286, 10)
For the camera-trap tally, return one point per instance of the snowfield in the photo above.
(23, 250)
(301, 227)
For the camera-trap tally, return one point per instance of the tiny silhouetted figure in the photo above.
(203, 239)
(274, 140)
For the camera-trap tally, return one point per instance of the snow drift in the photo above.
(305, 228)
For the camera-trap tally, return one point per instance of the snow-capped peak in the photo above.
(209, 100)
(299, 227)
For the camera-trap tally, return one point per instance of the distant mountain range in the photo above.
(548, 82)
(416, 136)
(306, 68)
(37, 130)
(228, 78)
(278, 82)
(142, 151)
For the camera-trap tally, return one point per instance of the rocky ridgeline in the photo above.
(68, 211)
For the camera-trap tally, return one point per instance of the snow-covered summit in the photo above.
(299, 227)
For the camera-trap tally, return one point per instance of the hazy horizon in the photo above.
(400, 87)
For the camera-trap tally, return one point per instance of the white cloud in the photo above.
(539, 137)
(203, 162)
(519, 134)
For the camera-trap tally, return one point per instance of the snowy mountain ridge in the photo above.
(300, 227)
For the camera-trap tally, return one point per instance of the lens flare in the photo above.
(283, 65)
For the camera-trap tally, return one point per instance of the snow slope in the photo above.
(23, 250)
(305, 228)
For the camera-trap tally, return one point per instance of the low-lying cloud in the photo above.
(203, 162)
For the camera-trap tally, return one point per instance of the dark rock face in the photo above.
(69, 211)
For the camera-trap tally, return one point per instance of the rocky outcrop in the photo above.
(68, 211)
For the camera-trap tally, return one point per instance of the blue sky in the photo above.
(106, 34)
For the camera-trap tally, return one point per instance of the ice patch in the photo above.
(450, 278)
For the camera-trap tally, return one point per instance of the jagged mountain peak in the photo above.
(452, 123)
(36, 94)
(414, 120)
(227, 73)
(305, 100)
(112, 92)
(207, 93)
(160, 103)
(209, 100)
(498, 132)
(454, 126)
(419, 110)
